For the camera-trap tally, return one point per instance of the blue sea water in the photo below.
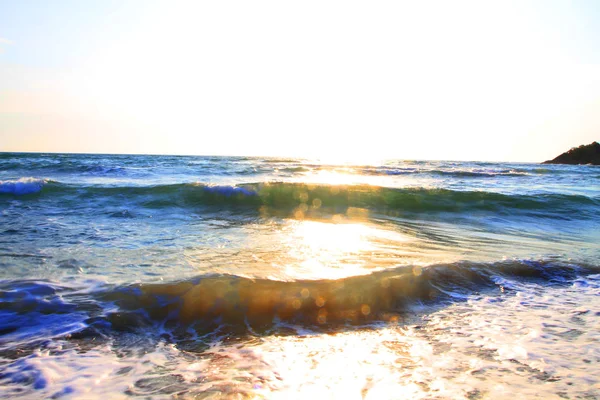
(241, 277)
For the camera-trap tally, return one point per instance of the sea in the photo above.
(202, 277)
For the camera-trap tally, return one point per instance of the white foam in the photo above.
(62, 371)
(22, 186)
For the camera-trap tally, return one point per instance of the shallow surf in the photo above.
(202, 277)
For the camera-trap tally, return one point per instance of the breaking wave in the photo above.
(209, 302)
(308, 197)
(22, 186)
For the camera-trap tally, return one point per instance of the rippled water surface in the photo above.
(207, 277)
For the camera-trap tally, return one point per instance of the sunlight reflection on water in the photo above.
(333, 251)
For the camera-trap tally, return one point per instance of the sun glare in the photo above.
(325, 250)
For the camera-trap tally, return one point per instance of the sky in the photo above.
(341, 80)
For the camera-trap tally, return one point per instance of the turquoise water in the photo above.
(187, 276)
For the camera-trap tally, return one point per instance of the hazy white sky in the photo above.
(346, 80)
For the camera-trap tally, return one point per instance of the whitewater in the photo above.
(248, 277)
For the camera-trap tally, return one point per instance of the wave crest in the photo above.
(238, 301)
(22, 186)
(288, 196)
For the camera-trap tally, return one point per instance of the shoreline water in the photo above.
(239, 276)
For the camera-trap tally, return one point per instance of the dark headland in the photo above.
(584, 154)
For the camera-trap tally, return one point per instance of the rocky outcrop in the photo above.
(584, 154)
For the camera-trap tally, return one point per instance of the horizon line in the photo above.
(259, 156)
